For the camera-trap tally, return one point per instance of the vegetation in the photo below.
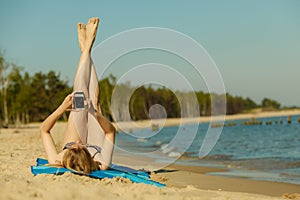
(269, 104)
(28, 98)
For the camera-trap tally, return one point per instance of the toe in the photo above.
(81, 25)
(93, 20)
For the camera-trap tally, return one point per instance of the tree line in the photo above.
(28, 98)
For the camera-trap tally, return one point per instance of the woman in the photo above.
(89, 137)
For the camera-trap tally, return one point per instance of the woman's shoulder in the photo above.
(60, 157)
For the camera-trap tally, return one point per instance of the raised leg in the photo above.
(81, 35)
(90, 126)
(86, 38)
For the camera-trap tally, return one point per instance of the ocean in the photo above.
(260, 151)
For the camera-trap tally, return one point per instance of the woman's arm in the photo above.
(47, 125)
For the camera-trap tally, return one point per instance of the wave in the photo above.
(174, 154)
(218, 157)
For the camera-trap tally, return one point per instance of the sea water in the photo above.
(260, 152)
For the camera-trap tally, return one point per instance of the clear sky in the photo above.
(255, 43)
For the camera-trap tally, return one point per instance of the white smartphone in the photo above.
(78, 101)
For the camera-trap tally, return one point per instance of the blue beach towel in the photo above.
(136, 176)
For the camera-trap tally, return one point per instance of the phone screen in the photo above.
(78, 101)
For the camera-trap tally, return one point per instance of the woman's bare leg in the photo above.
(90, 125)
(82, 80)
(97, 121)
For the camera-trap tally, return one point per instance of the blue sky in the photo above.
(255, 43)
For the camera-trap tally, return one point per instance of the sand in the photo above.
(19, 149)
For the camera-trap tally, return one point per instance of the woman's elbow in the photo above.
(43, 130)
(104, 167)
(111, 130)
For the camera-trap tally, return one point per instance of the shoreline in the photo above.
(133, 125)
(179, 176)
(270, 188)
(232, 184)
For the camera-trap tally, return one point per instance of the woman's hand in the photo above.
(47, 126)
(67, 103)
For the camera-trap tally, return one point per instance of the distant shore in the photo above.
(177, 121)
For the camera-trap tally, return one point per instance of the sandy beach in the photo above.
(20, 148)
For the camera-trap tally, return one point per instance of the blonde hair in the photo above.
(78, 158)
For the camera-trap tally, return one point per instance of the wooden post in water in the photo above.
(154, 127)
(289, 119)
(252, 121)
(299, 119)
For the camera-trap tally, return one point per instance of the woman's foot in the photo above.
(81, 35)
(90, 33)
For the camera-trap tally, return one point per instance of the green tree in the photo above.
(56, 89)
(250, 104)
(269, 104)
(39, 98)
(24, 98)
(138, 108)
(15, 106)
(4, 67)
(106, 87)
